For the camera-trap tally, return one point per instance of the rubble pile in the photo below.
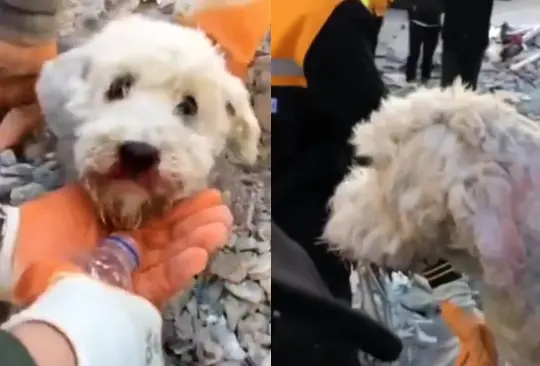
(520, 87)
(237, 285)
(27, 175)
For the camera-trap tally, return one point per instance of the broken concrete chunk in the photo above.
(248, 290)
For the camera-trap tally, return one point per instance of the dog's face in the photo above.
(151, 105)
(434, 169)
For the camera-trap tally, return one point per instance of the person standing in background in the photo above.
(424, 30)
(465, 36)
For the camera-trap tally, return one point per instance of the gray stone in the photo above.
(231, 266)
(235, 310)
(248, 290)
(7, 184)
(263, 246)
(22, 170)
(24, 193)
(261, 267)
(264, 231)
(246, 244)
(7, 157)
(230, 363)
(48, 174)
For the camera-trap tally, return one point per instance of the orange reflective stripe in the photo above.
(289, 81)
(295, 24)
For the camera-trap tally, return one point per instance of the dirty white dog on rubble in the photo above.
(450, 174)
(141, 111)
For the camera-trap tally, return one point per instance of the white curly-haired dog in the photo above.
(451, 174)
(141, 111)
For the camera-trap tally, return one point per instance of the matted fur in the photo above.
(167, 62)
(451, 177)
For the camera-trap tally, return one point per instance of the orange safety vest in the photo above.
(237, 26)
(294, 26)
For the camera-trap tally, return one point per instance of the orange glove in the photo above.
(238, 27)
(54, 225)
(477, 342)
(19, 68)
(173, 249)
(177, 247)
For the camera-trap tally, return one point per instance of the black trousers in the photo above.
(461, 63)
(421, 40)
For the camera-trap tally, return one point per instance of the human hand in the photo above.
(19, 69)
(476, 341)
(176, 247)
(173, 249)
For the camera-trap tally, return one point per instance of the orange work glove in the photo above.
(173, 249)
(237, 26)
(19, 69)
(476, 341)
(54, 225)
(177, 247)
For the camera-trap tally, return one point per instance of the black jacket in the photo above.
(311, 130)
(466, 24)
(311, 327)
(427, 11)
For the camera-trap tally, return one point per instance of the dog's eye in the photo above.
(188, 106)
(230, 109)
(120, 87)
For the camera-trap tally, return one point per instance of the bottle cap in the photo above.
(128, 245)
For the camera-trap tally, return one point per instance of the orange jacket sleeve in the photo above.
(238, 27)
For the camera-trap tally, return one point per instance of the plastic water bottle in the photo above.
(112, 262)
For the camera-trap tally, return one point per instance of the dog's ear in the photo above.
(245, 132)
(60, 83)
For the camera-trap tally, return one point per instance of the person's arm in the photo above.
(27, 40)
(35, 344)
(340, 68)
(28, 22)
(81, 321)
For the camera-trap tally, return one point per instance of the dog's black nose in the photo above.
(137, 157)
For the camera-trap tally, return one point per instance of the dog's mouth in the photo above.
(137, 162)
(146, 179)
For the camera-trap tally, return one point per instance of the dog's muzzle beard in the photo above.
(131, 191)
(120, 209)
